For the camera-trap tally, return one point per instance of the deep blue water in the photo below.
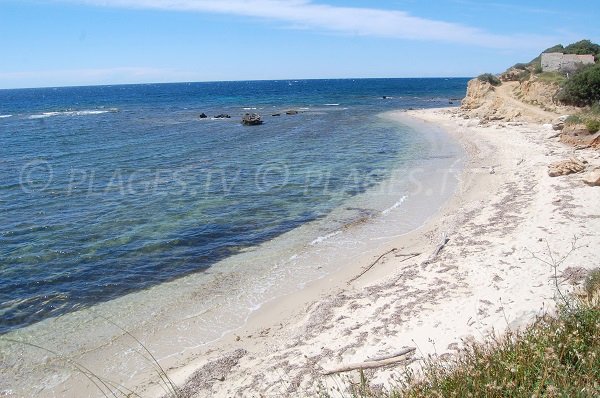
(108, 190)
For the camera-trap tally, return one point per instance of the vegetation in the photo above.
(593, 126)
(552, 77)
(554, 357)
(489, 78)
(583, 88)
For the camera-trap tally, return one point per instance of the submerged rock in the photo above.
(291, 112)
(223, 116)
(251, 119)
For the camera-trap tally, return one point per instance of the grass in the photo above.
(556, 356)
(489, 78)
(589, 117)
(551, 77)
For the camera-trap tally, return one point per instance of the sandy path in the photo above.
(529, 112)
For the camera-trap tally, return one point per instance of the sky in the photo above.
(49, 43)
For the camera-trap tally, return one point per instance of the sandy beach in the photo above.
(489, 276)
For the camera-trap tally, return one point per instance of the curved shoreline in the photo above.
(110, 341)
(481, 282)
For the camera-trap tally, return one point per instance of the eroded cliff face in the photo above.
(538, 93)
(530, 100)
(478, 94)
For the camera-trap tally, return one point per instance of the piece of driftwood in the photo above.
(404, 351)
(408, 256)
(400, 356)
(372, 265)
(437, 250)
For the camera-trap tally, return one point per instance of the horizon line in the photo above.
(231, 81)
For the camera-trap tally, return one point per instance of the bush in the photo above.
(593, 126)
(583, 88)
(489, 78)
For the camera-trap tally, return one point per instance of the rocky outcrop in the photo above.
(479, 93)
(203, 116)
(566, 167)
(539, 93)
(251, 119)
(578, 135)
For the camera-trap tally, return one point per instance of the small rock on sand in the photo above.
(593, 179)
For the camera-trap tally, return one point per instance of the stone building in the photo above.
(559, 62)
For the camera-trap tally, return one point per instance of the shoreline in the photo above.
(161, 332)
(480, 283)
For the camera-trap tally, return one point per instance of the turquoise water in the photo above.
(106, 191)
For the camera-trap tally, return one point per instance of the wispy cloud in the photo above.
(347, 20)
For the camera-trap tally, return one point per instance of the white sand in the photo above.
(486, 278)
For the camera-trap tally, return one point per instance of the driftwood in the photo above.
(408, 256)
(437, 250)
(403, 355)
(372, 265)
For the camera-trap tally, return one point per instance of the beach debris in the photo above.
(443, 242)
(404, 355)
(593, 179)
(251, 119)
(408, 256)
(212, 371)
(223, 116)
(372, 265)
(203, 116)
(565, 167)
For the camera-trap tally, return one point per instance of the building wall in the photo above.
(558, 62)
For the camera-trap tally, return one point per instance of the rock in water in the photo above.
(251, 119)
(223, 116)
(203, 116)
(291, 112)
(593, 179)
(566, 167)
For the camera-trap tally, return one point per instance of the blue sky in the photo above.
(81, 42)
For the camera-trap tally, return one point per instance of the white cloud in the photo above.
(346, 20)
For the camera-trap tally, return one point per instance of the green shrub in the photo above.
(489, 78)
(573, 119)
(583, 88)
(593, 125)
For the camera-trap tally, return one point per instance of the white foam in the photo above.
(321, 239)
(249, 109)
(331, 104)
(396, 205)
(5, 116)
(73, 113)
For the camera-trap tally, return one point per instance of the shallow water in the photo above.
(236, 217)
(106, 191)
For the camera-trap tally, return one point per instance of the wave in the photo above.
(396, 205)
(321, 239)
(5, 116)
(74, 113)
(331, 104)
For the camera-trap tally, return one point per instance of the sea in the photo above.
(121, 202)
